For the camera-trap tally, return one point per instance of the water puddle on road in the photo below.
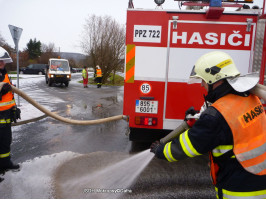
(100, 175)
(35, 178)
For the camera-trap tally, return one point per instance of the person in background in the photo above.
(232, 130)
(98, 75)
(85, 77)
(8, 113)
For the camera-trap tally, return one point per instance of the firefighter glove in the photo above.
(16, 114)
(6, 88)
(154, 146)
(190, 111)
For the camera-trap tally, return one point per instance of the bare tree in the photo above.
(5, 45)
(10, 50)
(72, 62)
(48, 51)
(2, 41)
(103, 40)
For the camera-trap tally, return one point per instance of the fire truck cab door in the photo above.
(187, 41)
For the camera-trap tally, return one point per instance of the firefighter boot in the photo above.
(2, 165)
(6, 164)
(13, 166)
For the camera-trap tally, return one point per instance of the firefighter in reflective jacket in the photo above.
(85, 77)
(8, 113)
(232, 130)
(98, 75)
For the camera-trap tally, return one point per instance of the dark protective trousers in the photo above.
(98, 81)
(5, 143)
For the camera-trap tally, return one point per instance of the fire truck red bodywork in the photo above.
(164, 47)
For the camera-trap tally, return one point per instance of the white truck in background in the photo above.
(58, 71)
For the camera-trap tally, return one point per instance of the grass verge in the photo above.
(119, 81)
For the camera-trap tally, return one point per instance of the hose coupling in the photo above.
(125, 117)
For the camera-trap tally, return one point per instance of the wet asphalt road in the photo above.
(49, 136)
(184, 179)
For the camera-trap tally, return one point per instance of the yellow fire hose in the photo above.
(260, 91)
(66, 120)
(175, 133)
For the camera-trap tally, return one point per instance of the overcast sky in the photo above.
(61, 21)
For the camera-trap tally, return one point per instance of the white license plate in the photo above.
(143, 106)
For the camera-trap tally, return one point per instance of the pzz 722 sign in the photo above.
(144, 33)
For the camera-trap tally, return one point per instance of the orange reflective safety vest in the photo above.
(247, 120)
(8, 100)
(98, 73)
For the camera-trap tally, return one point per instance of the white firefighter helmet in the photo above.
(214, 66)
(98, 67)
(217, 65)
(4, 56)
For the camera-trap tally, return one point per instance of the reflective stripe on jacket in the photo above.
(5, 155)
(5, 121)
(84, 73)
(7, 101)
(260, 194)
(247, 120)
(221, 150)
(167, 152)
(218, 153)
(186, 145)
(98, 73)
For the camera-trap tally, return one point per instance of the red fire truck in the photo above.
(161, 48)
